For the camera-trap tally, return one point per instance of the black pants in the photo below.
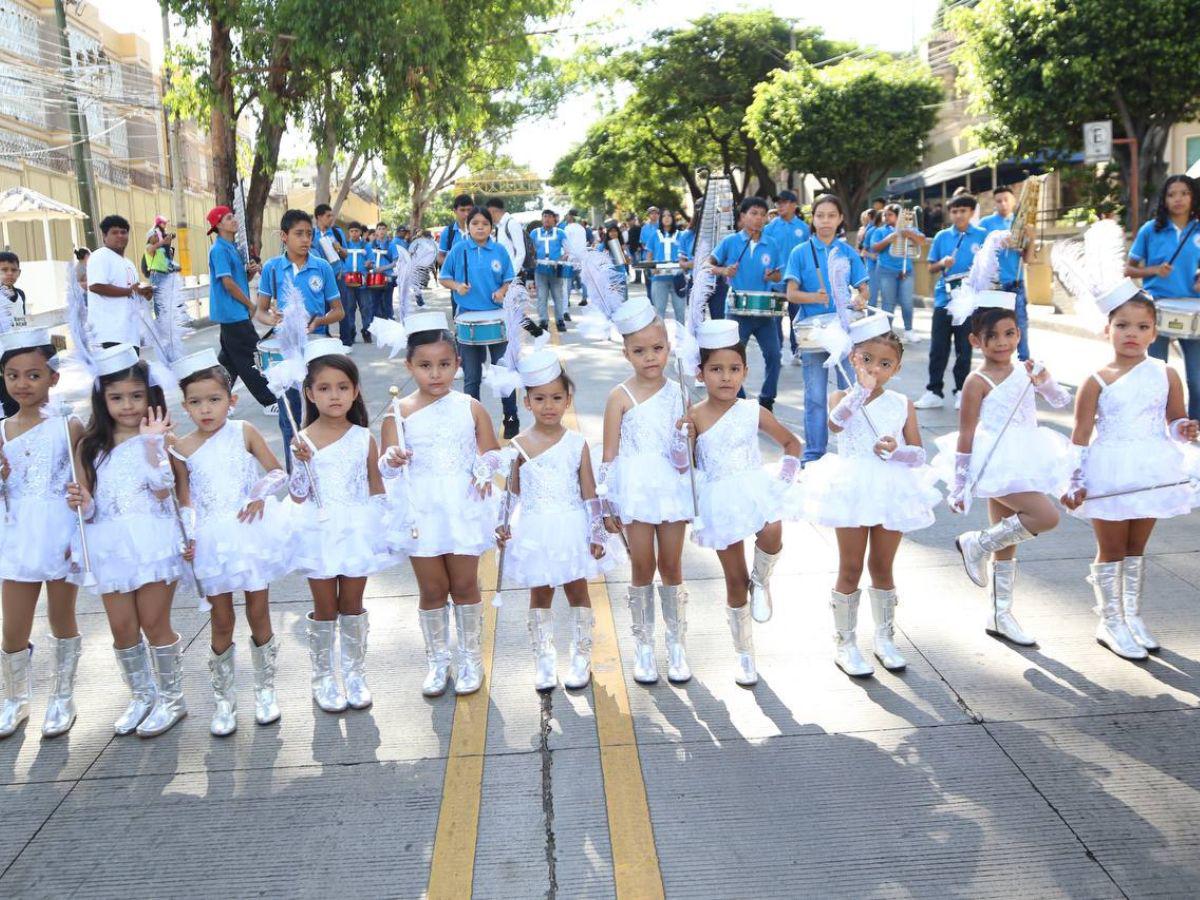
(238, 343)
(939, 351)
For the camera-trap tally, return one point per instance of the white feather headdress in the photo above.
(503, 377)
(1093, 269)
(604, 282)
(984, 272)
(292, 335)
(422, 254)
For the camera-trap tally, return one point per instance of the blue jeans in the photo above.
(1018, 288)
(473, 356)
(873, 284)
(716, 303)
(359, 299)
(1190, 348)
(285, 426)
(893, 288)
(549, 287)
(663, 290)
(816, 402)
(157, 280)
(381, 303)
(764, 330)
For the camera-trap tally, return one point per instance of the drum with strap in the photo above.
(1178, 317)
(377, 279)
(756, 303)
(354, 279)
(480, 327)
(268, 353)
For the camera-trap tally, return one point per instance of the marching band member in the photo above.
(357, 298)
(893, 272)
(380, 260)
(664, 245)
(453, 233)
(548, 239)
(1012, 261)
(788, 230)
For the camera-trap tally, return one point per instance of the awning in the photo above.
(20, 204)
(947, 170)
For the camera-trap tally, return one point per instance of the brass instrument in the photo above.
(905, 247)
(1026, 212)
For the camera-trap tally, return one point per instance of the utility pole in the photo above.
(171, 120)
(80, 147)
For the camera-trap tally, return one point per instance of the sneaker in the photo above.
(562, 326)
(797, 359)
(901, 336)
(583, 302)
(349, 348)
(271, 411)
(458, 376)
(566, 317)
(930, 400)
(958, 399)
(544, 325)
(366, 335)
(512, 427)
(912, 337)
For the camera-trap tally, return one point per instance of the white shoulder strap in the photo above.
(1100, 381)
(520, 449)
(628, 393)
(989, 381)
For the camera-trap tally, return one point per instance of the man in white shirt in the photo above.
(115, 299)
(509, 233)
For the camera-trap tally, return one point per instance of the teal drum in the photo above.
(756, 303)
(268, 354)
(480, 327)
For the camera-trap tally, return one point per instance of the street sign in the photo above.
(1097, 141)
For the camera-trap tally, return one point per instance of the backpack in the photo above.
(530, 250)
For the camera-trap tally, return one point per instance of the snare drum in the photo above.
(806, 331)
(376, 280)
(268, 353)
(756, 303)
(480, 327)
(354, 279)
(1178, 318)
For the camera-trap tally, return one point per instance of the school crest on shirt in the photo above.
(1196, 241)
(314, 282)
(799, 232)
(496, 266)
(765, 259)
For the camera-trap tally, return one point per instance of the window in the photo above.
(1193, 151)
(18, 30)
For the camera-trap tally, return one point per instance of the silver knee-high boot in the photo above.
(469, 621)
(741, 628)
(761, 605)
(435, 628)
(1001, 621)
(326, 691)
(641, 613)
(16, 669)
(1134, 577)
(976, 545)
(139, 678)
(60, 711)
(883, 610)
(845, 623)
(1112, 632)
(354, 631)
(674, 598)
(169, 705)
(266, 701)
(224, 687)
(582, 622)
(545, 657)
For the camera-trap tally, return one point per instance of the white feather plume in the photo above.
(605, 284)
(502, 377)
(704, 283)
(422, 255)
(83, 337)
(1104, 253)
(839, 283)
(985, 267)
(389, 334)
(165, 332)
(292, 334)
(834, 340)
(1091, 266)
(1067, 260)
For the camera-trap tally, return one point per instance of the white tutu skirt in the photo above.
(130, 551)
(551, 549)
(647, 488)
(449, 516)
(1122, 465)
(854, 492)
(1028, 460)
(35, 541)
(351, 542)
(233, 556)
(736, 508)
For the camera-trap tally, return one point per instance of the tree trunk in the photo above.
(348, 182)
(222, 121)
(266, 152)
(326, 148)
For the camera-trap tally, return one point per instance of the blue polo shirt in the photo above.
(665, 248)
(332, 232)
(871, 237)
(687, 243)
(808, 266)
(356, 257)
(379, 255)
(753, 262)
(887, 260)
(644, 235)
(485, 268)
(314, 280)
(963, 245)
(549, 244)
(1153, 248)
(450, 236)
(224, 261)
(787, 236)
(1010, 260)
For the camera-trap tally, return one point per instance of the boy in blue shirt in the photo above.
(1012, 270)
(380, 259)
(788, 231)
(950, 256)
(548, 241)
(356, 296)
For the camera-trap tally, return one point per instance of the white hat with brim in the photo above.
(633, 315)
(869, 327)
(426, 321)
(114, 359)
(194, 362)
(323, 346)
(716, 334)
(24, 339)
(538, 368)
(1124, 291)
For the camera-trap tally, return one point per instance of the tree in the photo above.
(1039, 69)
(848, 125)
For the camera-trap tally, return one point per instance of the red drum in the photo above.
(377, 280)
(354, 279)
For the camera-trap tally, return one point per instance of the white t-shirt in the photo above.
(113, 318)
(511, 236)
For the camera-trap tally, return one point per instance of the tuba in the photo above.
(1026, 212)
(903, 247)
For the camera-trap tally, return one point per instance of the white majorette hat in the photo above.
(995, 300)
(194, 362)
(633, 315)
(1122, 292)
(870, 326)
(114, 359)
(539, 367)
(322, 346)
(715, 334)
(426, 321)
(1093, 270)
(24, 339)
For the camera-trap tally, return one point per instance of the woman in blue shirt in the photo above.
(894, 273)
(664, 246)
(1166, 256)
(477, 272)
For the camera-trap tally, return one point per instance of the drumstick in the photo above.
(687, 405)
(395, 392)
(508, 480)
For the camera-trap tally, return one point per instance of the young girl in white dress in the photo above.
(226, 475)
(644, 478)
(134, 540)
(442, 446)
(337, 524)
(36, 532)
(556, 536)
(873, 490)
(738, 497)
(1001, 454)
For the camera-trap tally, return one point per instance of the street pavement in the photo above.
(983, 770)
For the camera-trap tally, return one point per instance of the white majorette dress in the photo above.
(449, 515)
(351, 540)
(233, 556)
(133, 538)
(1029, 457)
(1133, 450)
(737, 495)
(550, 530)
(644, 484)
(854, 488)
(38, 526)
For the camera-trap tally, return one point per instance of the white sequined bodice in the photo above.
(550, 481)
(888, 412)
(221, 473)
(341, 468)
(441, 437)
(730, 446)
(646, 428)
(39, 462)
(121, 484)
(1133, 408)
(998, 405)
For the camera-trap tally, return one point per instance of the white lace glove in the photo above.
(187, 521)
(1178, 430)
(597, 534)
(1051, 391)
(1079, 457)
(789, 468)
(387, 468)
(485, 469)
(912, 457)
(680, 452)
(603, 493)
(299, 484)
(958, 494)
(269, 484)
(159, 476)
(851, 403)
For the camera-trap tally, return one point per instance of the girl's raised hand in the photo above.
(156, 423)
(865, 378)
(1038, 374)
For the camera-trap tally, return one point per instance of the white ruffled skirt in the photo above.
(859, 491)
(450, 517)
(233, 556)
(647, 488)
(35, 540)
(1028, 460)
(1123, 465)
(735, 508)
(351, 542)
(551, 549)
(130, 551)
